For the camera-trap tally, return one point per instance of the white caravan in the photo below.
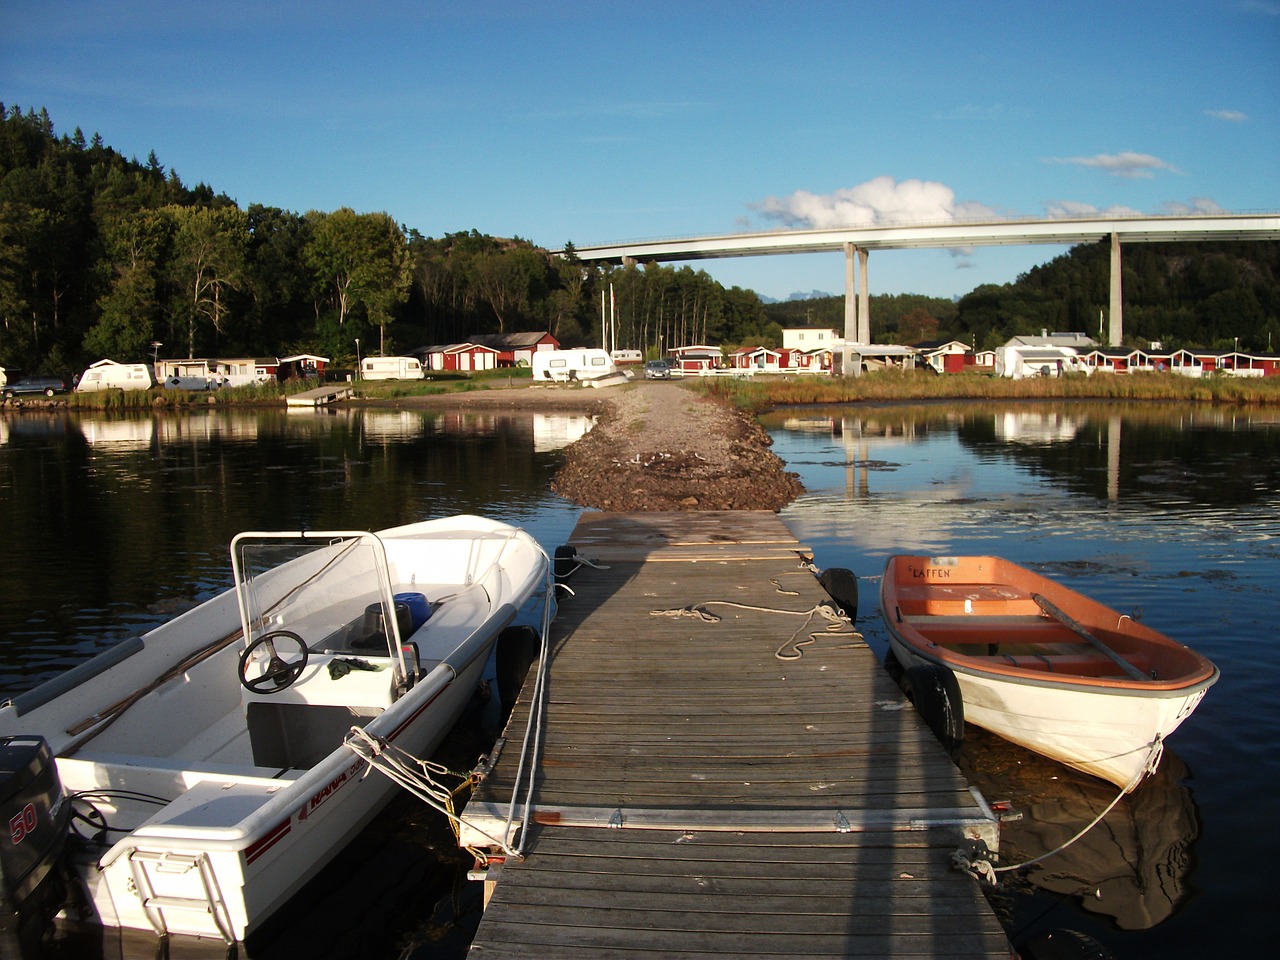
(1019, 361)
(565, 365)
(390, 368)
(110, 375)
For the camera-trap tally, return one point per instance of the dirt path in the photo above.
(662, 447)
(657, 446)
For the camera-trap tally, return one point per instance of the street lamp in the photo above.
(357, 358)
(155, 351)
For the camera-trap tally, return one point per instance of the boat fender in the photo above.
(1063, 945)
(517, 649)
(842, 586)
(565, 562)
(936, 695)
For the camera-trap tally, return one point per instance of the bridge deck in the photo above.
(725, 787)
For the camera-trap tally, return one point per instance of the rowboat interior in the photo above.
(1014, 627)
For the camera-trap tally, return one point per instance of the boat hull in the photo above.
(1107, 734)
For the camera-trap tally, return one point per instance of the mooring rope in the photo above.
(982, 869)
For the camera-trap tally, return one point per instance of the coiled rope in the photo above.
(837, 624)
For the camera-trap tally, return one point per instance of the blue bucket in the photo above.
(419, 609)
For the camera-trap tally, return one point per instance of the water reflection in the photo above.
(117, 518)
(1105, 451)
(1133, 868)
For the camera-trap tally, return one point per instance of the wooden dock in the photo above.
(723, 787)
(320, 396)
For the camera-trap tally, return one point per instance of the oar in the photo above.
(1052, 610)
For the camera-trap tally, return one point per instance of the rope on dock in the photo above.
(838, 625)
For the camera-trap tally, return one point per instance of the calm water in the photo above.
(113, 526)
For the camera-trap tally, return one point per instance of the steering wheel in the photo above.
(279, 673)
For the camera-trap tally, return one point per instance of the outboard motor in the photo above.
(33, 830)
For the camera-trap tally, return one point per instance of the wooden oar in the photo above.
(1052, 610)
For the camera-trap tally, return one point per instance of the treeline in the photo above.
(103, 256)
(1182, 294)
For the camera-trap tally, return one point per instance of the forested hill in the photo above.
(104, 256)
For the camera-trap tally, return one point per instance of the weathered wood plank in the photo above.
(747, 715)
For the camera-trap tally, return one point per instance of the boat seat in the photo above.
(961, 599)
(1077, 665)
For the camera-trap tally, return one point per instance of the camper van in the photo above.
(110, 375)
(390, 368)
(1017, 361)
(566, 365)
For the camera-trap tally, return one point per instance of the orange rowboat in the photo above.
(1039, 664)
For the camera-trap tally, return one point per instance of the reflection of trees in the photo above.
(149, 522)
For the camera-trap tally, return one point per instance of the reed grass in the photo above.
(762, 393)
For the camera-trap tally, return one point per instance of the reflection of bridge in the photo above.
(860, 241)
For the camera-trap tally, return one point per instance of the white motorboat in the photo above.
(203, 764)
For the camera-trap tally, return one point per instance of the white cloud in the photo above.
(1074, 209)
(1126, 164)
(1194, 205)
(882, 200)
(1232, 116)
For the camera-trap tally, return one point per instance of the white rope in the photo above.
(414, 775)
(528, 758)
(979, 868)
(838, 625)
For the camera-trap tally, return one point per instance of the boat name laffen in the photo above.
(329, 789)
(929, 573)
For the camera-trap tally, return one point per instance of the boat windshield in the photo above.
(332, 590)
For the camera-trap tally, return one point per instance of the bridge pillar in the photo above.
(1115, 328)
(864, 300)
(847, 366)
(857, 304)
(850, 296)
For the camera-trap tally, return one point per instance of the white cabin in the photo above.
(566, 365)
(391, 368)
(110, 375)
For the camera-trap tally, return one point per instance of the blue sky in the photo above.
(598, 122)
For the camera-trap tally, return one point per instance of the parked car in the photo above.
(27, 385)
(657, 370)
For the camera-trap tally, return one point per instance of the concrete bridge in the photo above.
(858, 242)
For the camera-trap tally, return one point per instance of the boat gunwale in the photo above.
(909, 635)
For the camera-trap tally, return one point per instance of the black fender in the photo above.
(564, 562)
(842, 586)
(936, 694)
(517, 649)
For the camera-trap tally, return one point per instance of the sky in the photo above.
(596, 122)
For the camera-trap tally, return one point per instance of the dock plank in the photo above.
(723, 772)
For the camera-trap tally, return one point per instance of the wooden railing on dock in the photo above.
(743, 781)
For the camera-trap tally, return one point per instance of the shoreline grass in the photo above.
(762, 393)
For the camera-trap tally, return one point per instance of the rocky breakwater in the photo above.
(660, 447)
